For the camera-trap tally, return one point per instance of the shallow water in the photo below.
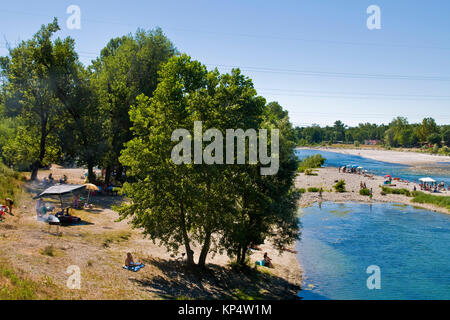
(439, 171)
(340, 241)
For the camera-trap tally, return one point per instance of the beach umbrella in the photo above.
(388, 176)
(91, 187)
(427, 179)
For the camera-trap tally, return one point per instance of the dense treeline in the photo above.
(119, 114)
(399, 133)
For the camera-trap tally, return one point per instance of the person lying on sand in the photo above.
(289, 250)
(129, 261)
(254, 247)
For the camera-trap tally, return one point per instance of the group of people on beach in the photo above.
(50, 180)
(433, 187)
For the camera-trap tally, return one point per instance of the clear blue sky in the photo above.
(316, 58)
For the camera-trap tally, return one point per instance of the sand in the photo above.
(400, 157)
(327, 177)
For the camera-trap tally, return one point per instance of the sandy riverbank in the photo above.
(400, 157)
(327, 177)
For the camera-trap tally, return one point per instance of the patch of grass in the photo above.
(301, 190)
(49, 251)
(340, 186)
(12, 287)
(312, 162)
(116, 237)
(313, 189)
(440, 201)
(239, 294)
(183, 298)
(364, 192)
(403, 191)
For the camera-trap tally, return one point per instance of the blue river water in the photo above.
(439, 171)
(340, 241)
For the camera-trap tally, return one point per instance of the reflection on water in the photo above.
(339, 242)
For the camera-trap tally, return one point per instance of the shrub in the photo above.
(357, 144)
(441, 201)
(340, 186)
(312, 162)
(313, 189)
(48, 251)
(310, 172)
(301, 190)
(364, 192)
(435, 148)
(405, 192)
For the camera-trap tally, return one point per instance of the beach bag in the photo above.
(260, 263)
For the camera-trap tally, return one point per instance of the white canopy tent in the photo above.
(427, 180)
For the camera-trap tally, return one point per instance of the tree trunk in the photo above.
(243, 256)
(91, 175)
(238, 256)
(189, 253)
(108, 174)
(34, 170)
(205, 250)
(38, 163)
(119, 173)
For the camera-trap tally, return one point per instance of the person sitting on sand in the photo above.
(129, 261)
(254, 247)
(267, 261)
(9, 203)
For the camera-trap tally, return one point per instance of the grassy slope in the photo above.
(10, 183)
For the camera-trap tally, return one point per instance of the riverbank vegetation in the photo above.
(420, 197)
(441, 201)
(426, 136)
(312, 162)
(402, 191)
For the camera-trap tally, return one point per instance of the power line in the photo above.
(333, 74)
(247, 35)
(359, 97)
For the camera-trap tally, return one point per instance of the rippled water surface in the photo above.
(339, 242)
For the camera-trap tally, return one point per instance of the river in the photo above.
(410, 246)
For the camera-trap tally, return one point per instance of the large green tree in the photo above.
(266, 204)
(34, 72)
(127, 67)
(190, 203)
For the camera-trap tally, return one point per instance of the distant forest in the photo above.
(399, 133)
